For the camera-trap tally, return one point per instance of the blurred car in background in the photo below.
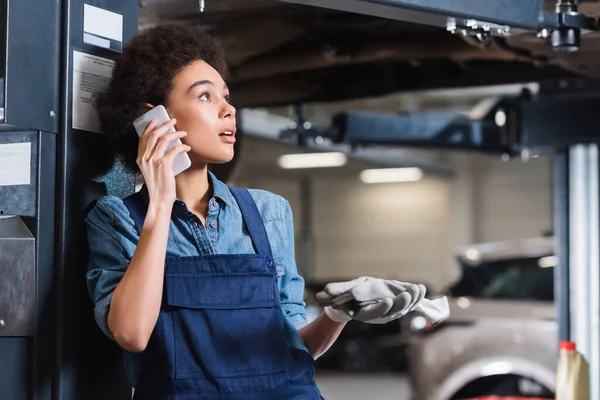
(501, 337)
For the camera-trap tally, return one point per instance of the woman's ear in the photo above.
(149, 107)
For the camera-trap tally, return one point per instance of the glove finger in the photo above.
(399, 310)
(401, 284)
(324, 299)
(374, 311)
(343, 298)
(414, 291)
(337, 288)
(337, 315)
(365, 303)
(397, 288)
(401, 303)
(347, 308)
(371, 316)
(422, 292)
(418, 298)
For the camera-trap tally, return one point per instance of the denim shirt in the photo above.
(112, 240)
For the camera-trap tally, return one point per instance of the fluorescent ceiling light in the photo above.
(312, 160)
(386, 175)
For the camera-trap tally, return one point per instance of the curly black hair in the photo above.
(144, 73)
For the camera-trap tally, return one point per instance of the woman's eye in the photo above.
(204, 97)
(227, 98)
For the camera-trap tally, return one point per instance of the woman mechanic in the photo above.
(223, 317)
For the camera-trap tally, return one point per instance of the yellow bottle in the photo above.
(572, 377)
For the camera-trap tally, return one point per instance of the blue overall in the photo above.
(219, 334)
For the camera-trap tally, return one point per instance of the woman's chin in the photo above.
(203, 159)
(223, 159)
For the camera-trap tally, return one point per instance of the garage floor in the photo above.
(348, 386)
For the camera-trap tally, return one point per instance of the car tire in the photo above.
(520, 386)
(503, 385)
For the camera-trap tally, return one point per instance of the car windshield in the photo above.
(523, 279)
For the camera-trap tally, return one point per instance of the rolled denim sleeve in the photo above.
(292, 285)
(108, 258)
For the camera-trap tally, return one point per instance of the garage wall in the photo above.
(496, 200)
(407, 231)
(516, 199)
(398, 231)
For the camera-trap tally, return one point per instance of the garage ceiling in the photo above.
(281, 53)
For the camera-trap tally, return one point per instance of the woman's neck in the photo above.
(193, 188)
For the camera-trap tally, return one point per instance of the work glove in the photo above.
(370, 300)
(336, 294)
(435, 311)
(363, 289)
(379, 301)
(380, 312)
(336, 289)
(337, 315)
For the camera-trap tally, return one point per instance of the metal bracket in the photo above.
(303, 130)
(566, 25)
(480, 30)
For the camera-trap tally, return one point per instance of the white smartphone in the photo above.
(159, 113)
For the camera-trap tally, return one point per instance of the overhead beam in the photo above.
(513, 13)
(187, 7)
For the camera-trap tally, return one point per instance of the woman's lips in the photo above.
(228, 137)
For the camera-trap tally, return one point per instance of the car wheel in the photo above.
(521, 386)
(504, 385)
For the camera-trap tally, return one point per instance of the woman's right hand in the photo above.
(156, 163)
(135, 304)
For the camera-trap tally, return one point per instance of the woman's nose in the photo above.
(227, 111)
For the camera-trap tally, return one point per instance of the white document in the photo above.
(91, 76)
(15, 164)
(102, 28)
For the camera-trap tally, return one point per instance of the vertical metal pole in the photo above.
(594, 273)
(305, 227)
(584, 260)
(61, 195)
(561, 238)
(578, 232)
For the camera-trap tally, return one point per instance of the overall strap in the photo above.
(137, 206)
(253, 220)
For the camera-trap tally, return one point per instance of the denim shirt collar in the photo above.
(220, 191)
